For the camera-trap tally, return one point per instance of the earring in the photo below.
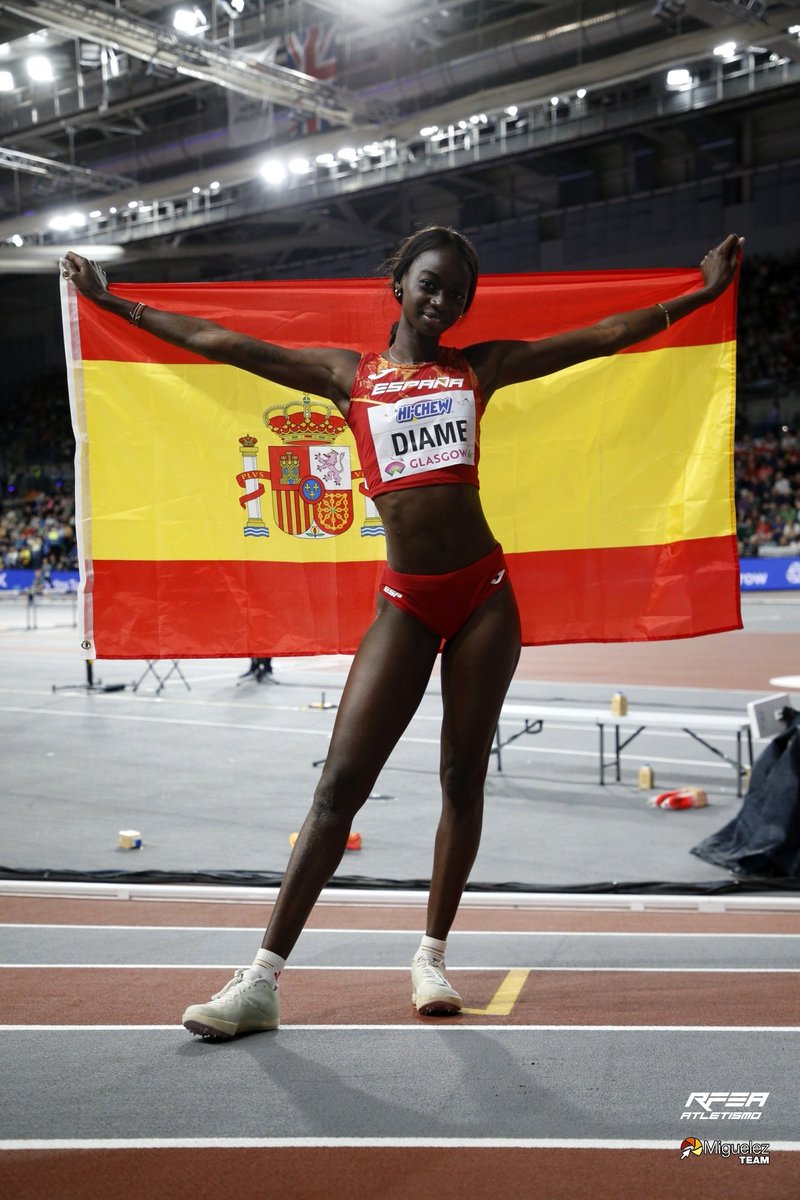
(398, 294)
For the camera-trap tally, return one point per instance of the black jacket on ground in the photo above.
(764, 839)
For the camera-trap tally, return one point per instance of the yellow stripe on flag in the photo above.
(630, 451)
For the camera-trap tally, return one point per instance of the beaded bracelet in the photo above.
(664, 311)
(135, 315)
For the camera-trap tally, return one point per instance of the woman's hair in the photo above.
(434, 237)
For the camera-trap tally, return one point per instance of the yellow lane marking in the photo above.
(504, 999)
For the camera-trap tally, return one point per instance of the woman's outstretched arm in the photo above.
(500, 363)
(323, 372)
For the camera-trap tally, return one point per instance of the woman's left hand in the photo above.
(719, 265)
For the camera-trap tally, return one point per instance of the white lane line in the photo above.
(561, 724)
(456, 933)
(291, 970)
(346, 1143)
(107, 715)
(433, 1026)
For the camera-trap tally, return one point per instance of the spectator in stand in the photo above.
(39, 531)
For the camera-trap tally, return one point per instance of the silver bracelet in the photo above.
(135, 315)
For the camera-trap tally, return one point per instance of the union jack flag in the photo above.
(312, 51)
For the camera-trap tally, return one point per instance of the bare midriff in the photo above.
(436, 529)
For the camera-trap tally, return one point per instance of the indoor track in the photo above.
(586, 1031)
(593, 1015)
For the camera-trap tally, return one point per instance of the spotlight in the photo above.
(726, 50)
(39, 68)
(273, 172)
(190, 21)
(679, 79)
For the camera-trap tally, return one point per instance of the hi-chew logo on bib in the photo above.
(413, 436)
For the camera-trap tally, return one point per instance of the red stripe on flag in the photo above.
(640, 593)
(239, 609)
(358, 313)
(230, 609)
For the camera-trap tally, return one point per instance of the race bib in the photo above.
(412, 437)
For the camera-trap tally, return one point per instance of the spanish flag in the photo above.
(222, 515)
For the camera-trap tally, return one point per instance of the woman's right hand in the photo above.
(89, 279)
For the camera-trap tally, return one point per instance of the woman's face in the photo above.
(434, 291)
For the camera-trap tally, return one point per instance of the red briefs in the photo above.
(444, 603)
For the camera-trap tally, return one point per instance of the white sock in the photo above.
(266, 965)
(432, 947)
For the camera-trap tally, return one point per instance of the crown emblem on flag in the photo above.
(248, 442)
(304, 420)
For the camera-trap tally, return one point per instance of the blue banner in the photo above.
(769, 574)
(40, 581)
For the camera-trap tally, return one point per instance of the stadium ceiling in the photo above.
(284, 127)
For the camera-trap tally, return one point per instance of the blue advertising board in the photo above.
(52, 581)
(769, 574)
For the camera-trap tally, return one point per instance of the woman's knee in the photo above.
(339, 793)
(462, 783)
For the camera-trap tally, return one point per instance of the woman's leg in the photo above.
(384, 688)
(477, 668)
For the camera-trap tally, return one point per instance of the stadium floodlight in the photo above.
(679, 79)
(16, 240)
(39, 68)
(6, 81)
(273, 172)
(725, 50)
(299, 166)
(190, 21)
(63, 221)
(348, 154)
(581, 93)
(428, 130)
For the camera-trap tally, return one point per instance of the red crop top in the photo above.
(416, 425)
